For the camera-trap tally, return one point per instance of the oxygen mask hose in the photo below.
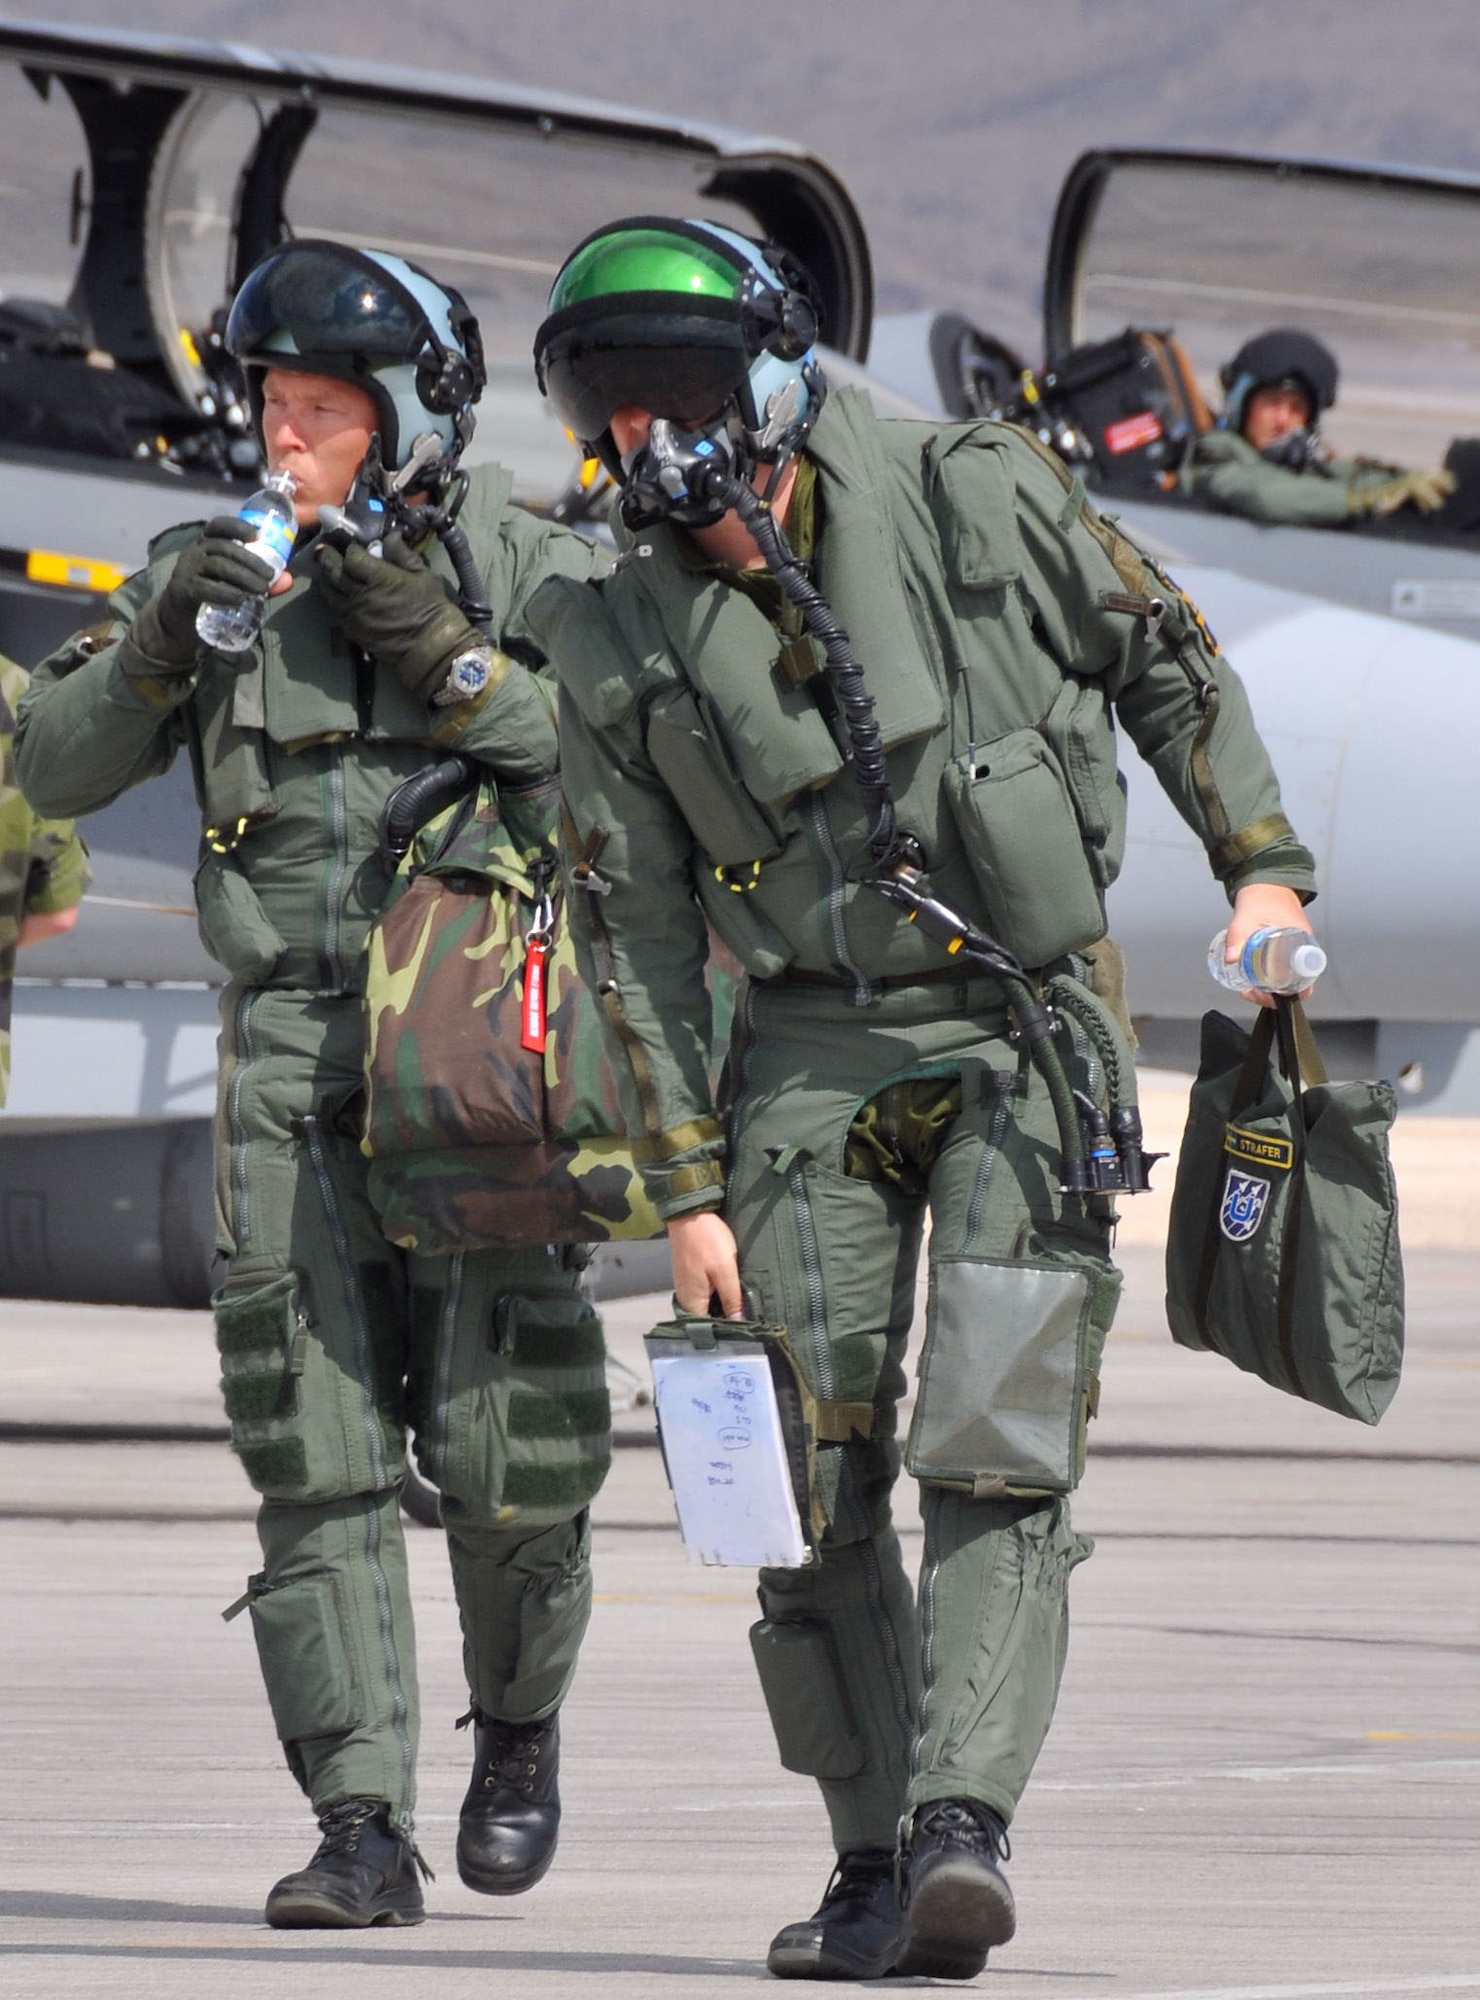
(898, 860)
(855, 703)
(430, 473)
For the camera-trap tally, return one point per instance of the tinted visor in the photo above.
(681, 365)
(332, 301)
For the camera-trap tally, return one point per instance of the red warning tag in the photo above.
(1132, 432)
(533, 1036)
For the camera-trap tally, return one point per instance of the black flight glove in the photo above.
(397, 610)
(215, 570)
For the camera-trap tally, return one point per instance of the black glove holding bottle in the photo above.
(217, 569)
(397, 610)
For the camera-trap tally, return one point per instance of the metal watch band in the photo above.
(467, 676)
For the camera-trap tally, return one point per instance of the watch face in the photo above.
(469, 675)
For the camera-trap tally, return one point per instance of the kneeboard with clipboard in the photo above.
(736, 1443)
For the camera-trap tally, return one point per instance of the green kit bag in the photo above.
(479, 1140)
(1282, 1253)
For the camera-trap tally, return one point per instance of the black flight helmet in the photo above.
(370, 318)
(1283, 358)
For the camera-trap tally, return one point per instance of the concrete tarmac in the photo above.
(1263, 1782)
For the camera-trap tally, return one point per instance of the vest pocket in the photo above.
(1022, 838)
(753, 938)
(233, 925)
(1078, 732)
(695, 766)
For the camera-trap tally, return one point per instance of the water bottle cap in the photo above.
(1308, 961)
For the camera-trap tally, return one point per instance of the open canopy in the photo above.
(1378, 262)
(191, 159)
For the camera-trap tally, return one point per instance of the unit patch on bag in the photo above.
(1246, 1195)
(1245, 1198)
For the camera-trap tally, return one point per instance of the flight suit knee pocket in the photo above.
(299, 1629)
(266, 1352)
(802, 1684)
(531, 1439)
(559, 1411)
(1009, 1373)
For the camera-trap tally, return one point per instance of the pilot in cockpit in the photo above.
(1266, 459)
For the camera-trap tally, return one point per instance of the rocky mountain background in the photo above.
(952, 121)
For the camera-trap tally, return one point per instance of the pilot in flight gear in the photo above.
(333, 1341)
(710, 781)
(1265, 458)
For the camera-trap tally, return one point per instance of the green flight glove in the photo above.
(215, 570)
(397, 610)
(1427, 491)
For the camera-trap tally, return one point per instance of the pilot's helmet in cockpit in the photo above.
(1283, 358)
(367, 317)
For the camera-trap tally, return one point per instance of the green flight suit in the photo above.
(1001, 625)
(1226, 471)
(333, 1341)
(43, 863)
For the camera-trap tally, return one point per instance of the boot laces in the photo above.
(342, 1825)
(512, 1749)
(969, 1824)
(857, 1873)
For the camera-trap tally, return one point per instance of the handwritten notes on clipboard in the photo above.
(726, 1457)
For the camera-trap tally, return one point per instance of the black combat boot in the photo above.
(510, 1818)
(957, 1902)
(363, 1873)
(856, 1931)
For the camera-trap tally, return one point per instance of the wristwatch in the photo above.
(467, 675)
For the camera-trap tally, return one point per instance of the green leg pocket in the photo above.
(803, 1689)
(299, 1629)
(529, 1438)
(1009, 1374)
(283, 1397)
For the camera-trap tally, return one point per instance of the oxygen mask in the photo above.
(1296, 450)
(687, 476)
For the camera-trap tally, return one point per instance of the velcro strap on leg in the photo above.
(840, 1423)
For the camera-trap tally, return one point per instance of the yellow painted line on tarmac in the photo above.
(1423, 1735)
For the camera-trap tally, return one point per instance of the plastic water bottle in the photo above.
(231, 628)
(1276, 959)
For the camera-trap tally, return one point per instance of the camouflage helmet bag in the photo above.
(476, 1141)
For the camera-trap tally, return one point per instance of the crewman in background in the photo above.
(1265, 458)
